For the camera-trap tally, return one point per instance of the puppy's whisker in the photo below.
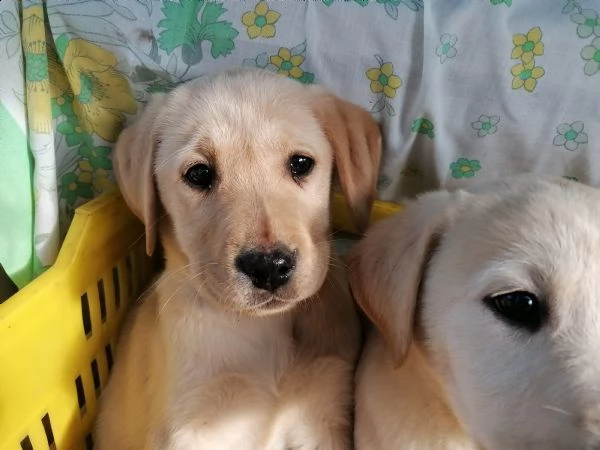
(261, 304)
(337, 263)
(202, 271)
(556, 409)
(169, 275)
(141, 236)
(185, 283)
(336, 283)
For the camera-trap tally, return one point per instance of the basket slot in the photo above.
(139, 271)
(80, 396)
(116, 287)
(109, 357)
(89, 442)
(96, 377)
(49, 433)
(26, 444)
(95, 312)
(129, 275)
(102, 300)
(108, 308)
(85, 315)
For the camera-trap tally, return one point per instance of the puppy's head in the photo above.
(501, 288)
(237, 170)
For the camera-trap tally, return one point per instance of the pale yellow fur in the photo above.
(208, 360)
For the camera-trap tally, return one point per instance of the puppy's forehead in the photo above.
(555, 219)
(246, 112)
(545, 240)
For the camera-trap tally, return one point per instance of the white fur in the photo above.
(455, 376)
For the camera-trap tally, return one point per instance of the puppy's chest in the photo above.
(214, 347)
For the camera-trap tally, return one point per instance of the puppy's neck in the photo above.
(201, 339)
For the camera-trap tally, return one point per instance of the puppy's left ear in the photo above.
(133, 160)
(388, 266)
(356, 141)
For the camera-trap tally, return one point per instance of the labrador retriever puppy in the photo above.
(250, 337)
(486, 306)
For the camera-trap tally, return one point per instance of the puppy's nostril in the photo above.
(282, 267)
(267, 270)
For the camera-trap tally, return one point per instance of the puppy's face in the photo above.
(242, 167)
(509, 314)
(245, 182)
(511, 309)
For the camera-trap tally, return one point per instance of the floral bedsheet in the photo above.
(464, 89)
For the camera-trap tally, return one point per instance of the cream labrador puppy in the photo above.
(249, 338)
(487, 313)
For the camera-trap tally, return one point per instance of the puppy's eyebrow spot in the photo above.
(205, 147)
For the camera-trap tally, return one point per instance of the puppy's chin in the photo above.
(246, 300)
(259, 303)
(270, 306)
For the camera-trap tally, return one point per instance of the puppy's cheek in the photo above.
(311, 270)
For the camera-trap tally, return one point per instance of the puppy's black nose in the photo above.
(267, 270)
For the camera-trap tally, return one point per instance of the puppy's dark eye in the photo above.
(200, 176)
(519, 309)
(300, 165)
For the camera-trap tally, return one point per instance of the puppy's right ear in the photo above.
(133, 162)
(387, 266)
(355, 139)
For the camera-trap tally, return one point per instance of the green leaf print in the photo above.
(306, 78)
(191, 55)
(143, 74)
(211, 13)
(65, 128)
(221, 36)
(159, 86)
(61, 45)
(183, 29)
(181, 24)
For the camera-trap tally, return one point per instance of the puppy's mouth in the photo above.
(271, 305)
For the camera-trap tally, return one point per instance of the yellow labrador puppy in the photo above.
(249, 338)
(487, 313)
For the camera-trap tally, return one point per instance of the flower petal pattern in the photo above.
(527, 47)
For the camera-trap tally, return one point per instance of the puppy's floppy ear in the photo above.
(133, 160)
(386, 268)
(356, 142)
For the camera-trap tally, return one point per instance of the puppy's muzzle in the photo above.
(268, 270)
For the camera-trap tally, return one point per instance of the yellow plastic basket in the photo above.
(58, 334)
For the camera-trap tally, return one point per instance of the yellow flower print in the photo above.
(287, 64)
(39, 59)
(102, 94)
(97, 177)
(526, 76)
(261, 21)
(384, 80)
(528, 46)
